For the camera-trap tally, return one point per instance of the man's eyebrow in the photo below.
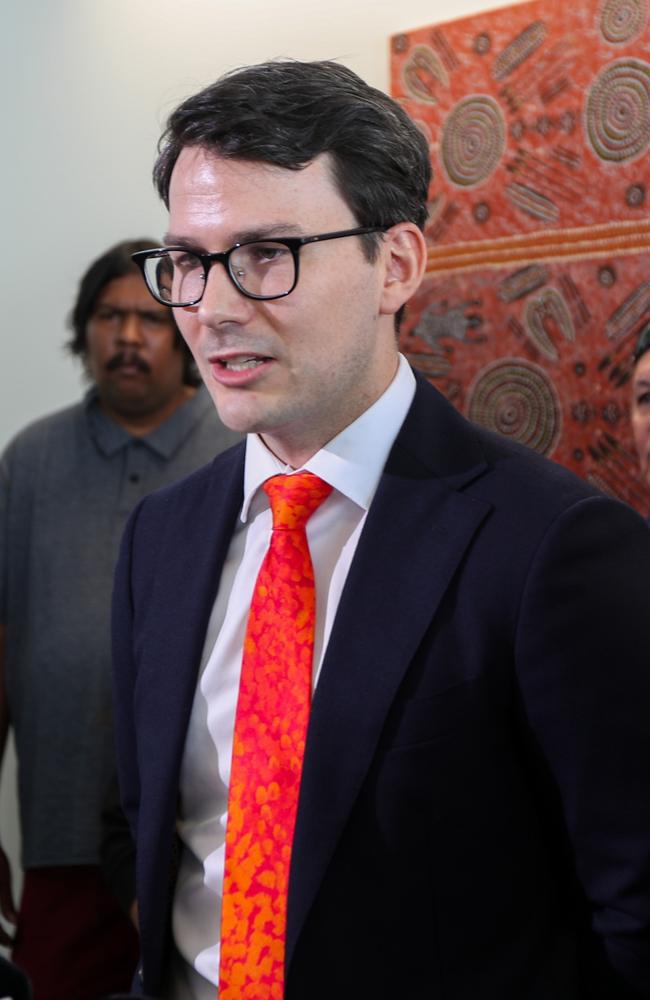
(170, 240)
(268, 232)
(276, 230)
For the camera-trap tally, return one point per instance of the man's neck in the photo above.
(141, 424)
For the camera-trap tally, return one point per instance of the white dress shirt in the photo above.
(352, 464)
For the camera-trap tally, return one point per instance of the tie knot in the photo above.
(295, 498)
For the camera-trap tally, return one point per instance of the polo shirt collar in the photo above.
(164, 440)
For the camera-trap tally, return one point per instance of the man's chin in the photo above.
(237, 417)
(135, 402)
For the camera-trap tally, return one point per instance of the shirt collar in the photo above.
(353, 461)
(164, 440)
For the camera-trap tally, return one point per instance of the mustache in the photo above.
(131, 358)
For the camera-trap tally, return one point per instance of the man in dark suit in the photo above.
(473, 820)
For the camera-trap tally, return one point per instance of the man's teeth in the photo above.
(241, 364)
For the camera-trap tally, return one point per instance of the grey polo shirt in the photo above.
(67, 485)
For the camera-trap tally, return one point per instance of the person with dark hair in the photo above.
(462, 809)
(640, 409)
(67, 485)
(117, 263)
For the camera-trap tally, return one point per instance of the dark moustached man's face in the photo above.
(131, 353)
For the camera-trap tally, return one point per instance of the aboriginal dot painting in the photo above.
(538, 278)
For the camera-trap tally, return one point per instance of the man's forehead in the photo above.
(123, 284)
(199, 170)
(250, 199)
(131, 294)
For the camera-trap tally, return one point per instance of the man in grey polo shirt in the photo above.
(67, 485)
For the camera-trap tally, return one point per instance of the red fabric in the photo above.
(269, 742)
(73, 940)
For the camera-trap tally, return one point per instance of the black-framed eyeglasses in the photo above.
(260, 269)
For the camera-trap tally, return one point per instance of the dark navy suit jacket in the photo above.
(474, 816)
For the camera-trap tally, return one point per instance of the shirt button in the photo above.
(134, 478)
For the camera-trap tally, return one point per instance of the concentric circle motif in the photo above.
(481, 212)
(635, 195)
(618, 111)
(473, 140)
(517, 399)
(621, 20)
(607, 276)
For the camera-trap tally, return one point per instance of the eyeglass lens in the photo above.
(262, 269)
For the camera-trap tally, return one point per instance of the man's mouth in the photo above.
(242, 363)
(130, 361)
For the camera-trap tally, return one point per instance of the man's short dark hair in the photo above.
(116, 263)
(287, 113)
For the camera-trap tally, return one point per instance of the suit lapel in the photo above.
(178, 558)
(415, 534)
(184, 592)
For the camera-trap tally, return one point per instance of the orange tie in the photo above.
(268, 748)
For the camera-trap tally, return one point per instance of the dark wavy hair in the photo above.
(116, 263)
(287, 113)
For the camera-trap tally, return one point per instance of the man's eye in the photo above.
(185, 262)
(155, 319)
(108, 315)
(262, 253)
(643, 398)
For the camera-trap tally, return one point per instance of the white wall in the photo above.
(86, 85)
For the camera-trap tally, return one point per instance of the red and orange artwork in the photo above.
(538, 278)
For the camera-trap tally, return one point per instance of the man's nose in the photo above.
(130, 332)
(222, 301)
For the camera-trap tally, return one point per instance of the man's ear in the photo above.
(405, 255)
